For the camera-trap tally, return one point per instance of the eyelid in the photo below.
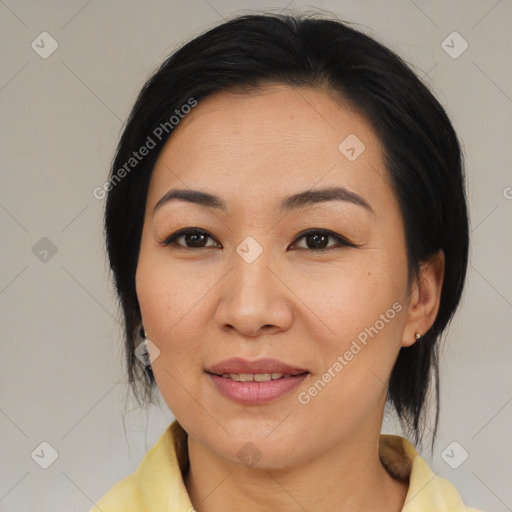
(185, 231)
(191, 230)
(327, 232)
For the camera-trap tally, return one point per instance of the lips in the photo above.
(243, 366)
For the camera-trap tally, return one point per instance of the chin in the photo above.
(261, 453)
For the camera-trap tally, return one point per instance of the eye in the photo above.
(193, 237)
(316, 239)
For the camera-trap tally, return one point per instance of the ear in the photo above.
(424, 299)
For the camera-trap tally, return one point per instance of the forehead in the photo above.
(260, 145)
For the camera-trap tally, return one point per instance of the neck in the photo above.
(349, 477)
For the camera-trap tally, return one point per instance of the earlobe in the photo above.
(425, 299)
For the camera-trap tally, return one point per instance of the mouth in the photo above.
(260, 370)
(255, 382)
(257, 377)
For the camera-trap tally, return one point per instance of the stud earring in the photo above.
(417, 335)
(145, 353)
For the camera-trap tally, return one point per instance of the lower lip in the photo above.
(253, 392)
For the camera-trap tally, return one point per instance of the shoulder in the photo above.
(124, 496)
(427, 490)
(157, 483)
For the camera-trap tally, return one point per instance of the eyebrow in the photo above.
(295, 201)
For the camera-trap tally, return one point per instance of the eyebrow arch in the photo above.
(299, 200)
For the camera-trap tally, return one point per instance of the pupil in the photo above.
(316, 241)
(192, 236)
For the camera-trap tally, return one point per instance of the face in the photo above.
(252, 285)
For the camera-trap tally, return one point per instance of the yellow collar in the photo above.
(158, 483)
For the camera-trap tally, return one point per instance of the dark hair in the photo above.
(422, 155)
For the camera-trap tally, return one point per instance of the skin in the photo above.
(204, 305)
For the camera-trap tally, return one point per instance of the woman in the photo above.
(287, 228)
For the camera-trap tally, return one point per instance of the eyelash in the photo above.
(171, 239)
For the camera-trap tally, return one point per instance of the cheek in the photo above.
(353, 295)
(357, 360)
(362, 311)
(172, 303)
(150, 292)
(163, 289)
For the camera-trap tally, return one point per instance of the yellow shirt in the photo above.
(157, 485)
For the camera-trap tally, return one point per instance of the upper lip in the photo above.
(239, 365)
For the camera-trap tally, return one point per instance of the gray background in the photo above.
(61, 369)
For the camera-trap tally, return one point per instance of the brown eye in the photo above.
(193, 239)
(317, 239)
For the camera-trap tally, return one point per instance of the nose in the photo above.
(254, 299)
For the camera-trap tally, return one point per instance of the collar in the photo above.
(158, 483)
